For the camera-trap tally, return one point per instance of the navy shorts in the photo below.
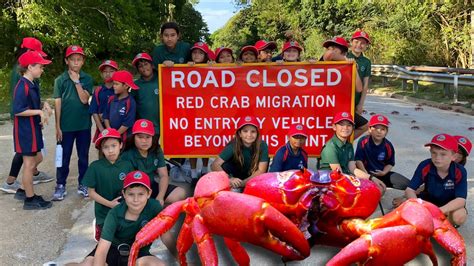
(29, 154)
(115, 259)
(359, 120)
(155, 189)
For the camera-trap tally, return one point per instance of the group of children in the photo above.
(130, 183)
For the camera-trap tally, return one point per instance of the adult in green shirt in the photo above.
(171, 51)
(124, 221)
(246, 156)
(147, 97)
(338, 152)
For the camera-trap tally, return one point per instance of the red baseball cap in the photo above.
(107, 133)
(361, 34)
(221, 49)
(292, 44)
(141, 56)
(110, 63)
(32, 57)
(248, 48)
(33, 44)
(262, 45)
(247, 120)
(205, 48)
(74, 49)
(465, 143)
(124, 77)
(444, 141)
(378, 120)
(297, 129)
(341, 116)
(336, 40)
(143, 126)
(137, 177)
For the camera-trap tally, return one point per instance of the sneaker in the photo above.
(10, 188)
(20, 194)
(82, 190)
(59, 193)
(37, 203)
(42, 177)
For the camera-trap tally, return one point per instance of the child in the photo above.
(336, 50)
(147, 96)
(73, 122)
(121, 108)
(292, 155)
(172, 50)
(11, 184)
(246, 156)
(248, 54)
(375, 155)
(445, 181)
(338, 152)
(200, 53)
(265, 50)
(359, 42)
(104, 177)
(28, 121)
(464, 148)
(145, 154)
(224, 55)
(123, 222)
(101, 95)
(291, 52)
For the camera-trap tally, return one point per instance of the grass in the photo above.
(426, 90)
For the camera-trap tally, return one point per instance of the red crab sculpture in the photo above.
(236, 217)
(328, 207)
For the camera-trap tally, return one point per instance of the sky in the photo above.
(216, 12)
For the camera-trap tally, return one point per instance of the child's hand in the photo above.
(115, 201)
(350, 59)
(359, 109)
(377, 173)
(211, 62)
(168, 63)
(44, 118)
(73, 75)
(47, 109)
(312, 61)
(380, 184)
(191, 63)
(236, 182)
(59, 135)
(239, 62)
(161, 200)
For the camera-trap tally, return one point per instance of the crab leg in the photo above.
(205, 243)
(185, 240)
(237, 251)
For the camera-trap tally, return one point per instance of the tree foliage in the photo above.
(402, 32)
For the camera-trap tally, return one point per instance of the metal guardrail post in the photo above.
(415, 85)
(384, 81)
(455, 88)
(446, 89)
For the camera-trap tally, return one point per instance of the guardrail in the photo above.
(442, 75)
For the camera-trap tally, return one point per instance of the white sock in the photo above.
(194, 173)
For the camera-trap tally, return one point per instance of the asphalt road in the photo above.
(64, 232)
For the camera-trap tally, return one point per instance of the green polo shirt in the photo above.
(179, 55)
(227, 155)
(337, 152)
(149, 164)
(107, 180)
(148, 101)
(119, 230)
(75, 115)
(364, 68)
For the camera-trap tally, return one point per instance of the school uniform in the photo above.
(149, 165)
(179, 55)
(100, 99)
(337, 152)
(118, 230)
(440, 191)
(121, 112)
(27, 135)
(148, 102)
(233, 168)
(286, 159)
(107, 180)
(364, 68)
(75, 123)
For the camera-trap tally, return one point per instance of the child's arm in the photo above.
(107, 123)
(453, 205)
(360, 165)
(164, 182)
(101, 252)
(121, 130)
(57, 115)
(101, 200)
(365, 89)
(98, 122)
(81, 92)
(217, 164)
(410, 193)
(363, 175)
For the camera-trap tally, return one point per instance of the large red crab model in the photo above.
(328, 207)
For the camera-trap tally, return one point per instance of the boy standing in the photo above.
(73, 122)
(338, 152)
(375, 154)
(171, 51)
(445, 181)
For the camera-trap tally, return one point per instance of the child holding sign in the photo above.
(246, 156)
